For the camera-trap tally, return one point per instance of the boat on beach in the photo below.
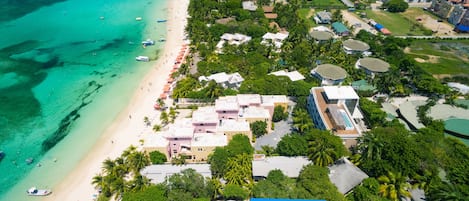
(148, 42)
(161, 20)
(33, 191)
(142, 58)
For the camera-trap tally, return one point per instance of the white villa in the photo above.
(275, 38)
(232, 80)
(232, 39)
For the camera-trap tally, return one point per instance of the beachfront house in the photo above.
(356, 47)
(274, 38)
(293, 75)
(372, 66)
(323, 17)
(335, 108)
(231, 39)
(159, 173)
(290, 166)
(329, 74)
(233, 80)
(214, 126)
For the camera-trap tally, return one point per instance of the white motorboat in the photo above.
(142, 58)
(138, 18)
(33, 191)
(148, 42)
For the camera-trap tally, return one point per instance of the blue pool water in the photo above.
(348, 122)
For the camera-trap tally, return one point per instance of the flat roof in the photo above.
(254, 112)
(208, 140)
(271, 99)
(233, 125)
(322, 107)
(340, 92)
(339, 27)
(329, 71)
(158, 173)
(155, 140)
(445, 111)
(205, 115)
(374, 64)
(293, 75)
(249, 5)
(408, 110)
(248, 99)
(227, 103)
(290, 166)
(355, 45)
(321, 35)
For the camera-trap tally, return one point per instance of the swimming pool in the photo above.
(347, 121)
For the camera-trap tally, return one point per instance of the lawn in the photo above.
(323, 4)
(442, 57)
(307, 14)
(396, 23)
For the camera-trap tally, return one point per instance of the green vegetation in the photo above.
(280, 113)
(324, 4)
(397, 23)
(396, 6)
(157, 157)
(441, 56)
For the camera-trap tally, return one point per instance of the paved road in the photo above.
(462, 36)
(281, 129)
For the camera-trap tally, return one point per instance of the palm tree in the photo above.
(216, 188)
(302, 121)
(99, 181)
(118, 187)
(109, 167)
(156, 128)
(268, 150)
(138, 183)
(146, 121)
(320, 154)
(172, 114)
(239, 170)
(448, 192)
(137, 161)
(370, 146)
(164, 118)
(394, 186)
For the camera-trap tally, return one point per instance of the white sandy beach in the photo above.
(128, 126)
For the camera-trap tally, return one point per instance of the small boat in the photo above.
(161, 20)
(142, 58)
(148, 42)
(33, 191)
(29, 160)
(138, 18)
(2, 155)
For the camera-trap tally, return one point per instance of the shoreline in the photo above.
(127, 128)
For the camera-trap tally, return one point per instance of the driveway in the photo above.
(281, 129)
(353, 20)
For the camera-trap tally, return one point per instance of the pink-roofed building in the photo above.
(205, 120)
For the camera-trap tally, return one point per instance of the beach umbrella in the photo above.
(166, 88)
(170, 80)
(163, 96)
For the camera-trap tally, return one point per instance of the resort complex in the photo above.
(256, 100)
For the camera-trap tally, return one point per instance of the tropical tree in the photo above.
(259, 128)
(156, 128)
(448, 191)
(172, 114)
(268, 150)
(370, 146)
(279, 113)
(235, 192)
(239, 170)
(137, 161)
(320, 153)
(164, 118)
(302, 121)
(292, 145)
(394, 186)
(157, 157)
(146, 121)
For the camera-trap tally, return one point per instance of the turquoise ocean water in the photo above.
(67, 68)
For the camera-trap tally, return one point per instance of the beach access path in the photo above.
(128, 126)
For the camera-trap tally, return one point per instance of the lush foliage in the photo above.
(280, 114)
(152, 193)
(112, 181)
(374, 115)
(396, 6)
(292, 145)
(157, 157)
(258, 128)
